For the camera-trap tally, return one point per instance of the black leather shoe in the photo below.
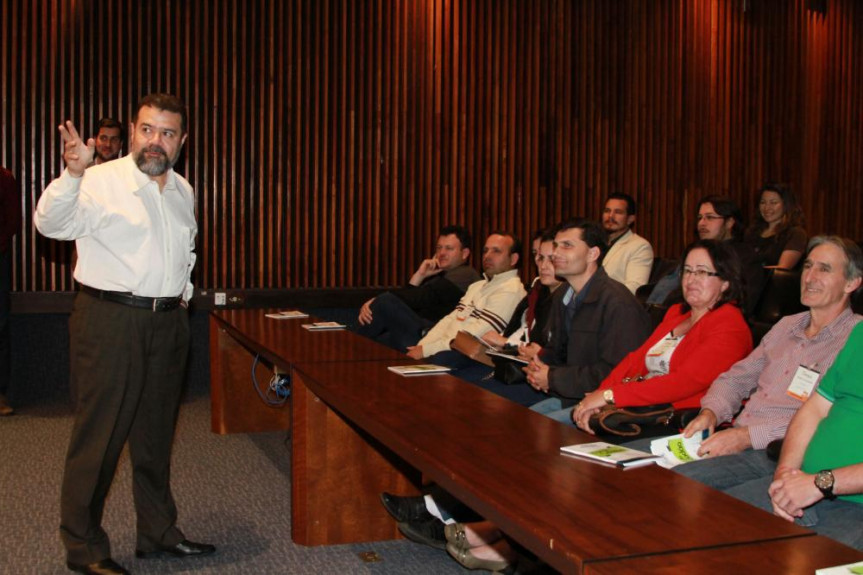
(182, 549)
(106, 566)
(429, 532)
(406, 509)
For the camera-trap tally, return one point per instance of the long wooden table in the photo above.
(237, 336)
(503, 461)
(359, 429)
(797, 556)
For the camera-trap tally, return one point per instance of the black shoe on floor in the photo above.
(182, 549)
(106, 566)
(406, 509)
(429, 532)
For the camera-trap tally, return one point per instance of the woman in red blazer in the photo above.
(696, 341)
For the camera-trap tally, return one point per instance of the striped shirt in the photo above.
(770, 369)
(486, 306)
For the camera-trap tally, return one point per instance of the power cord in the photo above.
(278, 389)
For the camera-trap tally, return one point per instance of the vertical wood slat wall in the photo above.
(330, 139)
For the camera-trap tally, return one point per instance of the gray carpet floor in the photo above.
(232, 491)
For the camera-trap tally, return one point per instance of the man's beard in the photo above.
(154, 166)
(104, 158)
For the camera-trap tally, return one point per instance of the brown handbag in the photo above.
(642, 421)
(467, 344)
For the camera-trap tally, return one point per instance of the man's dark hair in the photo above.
(516, 243)
(631, 208)
(591, 233)
(728, 268)
(546, 235)
(109, 123)
(727, 208)
(460, 232)
(166, 102)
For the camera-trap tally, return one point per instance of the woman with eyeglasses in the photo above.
(777, 234)
(696, 341)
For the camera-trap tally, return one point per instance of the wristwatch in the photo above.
(824, 482)
(608, 396)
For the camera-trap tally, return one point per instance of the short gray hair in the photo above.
(853, 254)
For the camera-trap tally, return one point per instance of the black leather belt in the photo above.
(125, 298)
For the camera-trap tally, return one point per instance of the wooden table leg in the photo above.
(234, 404)
(338, 473)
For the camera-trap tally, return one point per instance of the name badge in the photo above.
(803, 383)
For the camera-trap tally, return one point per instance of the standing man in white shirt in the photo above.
(630, 256)
(133, 221)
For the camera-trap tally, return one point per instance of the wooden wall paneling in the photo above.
(329, 140)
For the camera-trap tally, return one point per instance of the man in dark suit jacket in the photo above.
(399, 317)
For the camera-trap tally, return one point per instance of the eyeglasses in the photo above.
(699, 274)
(709, 217)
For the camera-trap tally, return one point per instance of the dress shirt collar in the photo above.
(827, 332)
(502, 277)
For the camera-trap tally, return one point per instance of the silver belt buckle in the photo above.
(155, 301)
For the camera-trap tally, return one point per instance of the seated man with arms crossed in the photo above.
(819, 479)
(487, 305)
(398, 318)
(781, 372)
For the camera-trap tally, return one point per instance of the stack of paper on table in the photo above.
(287, 314)
(323, 325)
(420, 369)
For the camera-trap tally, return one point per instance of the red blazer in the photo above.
(719, 340)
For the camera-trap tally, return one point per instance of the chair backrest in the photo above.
(780, 297)
(661, 268)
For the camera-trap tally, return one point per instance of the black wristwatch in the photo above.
(824, 481)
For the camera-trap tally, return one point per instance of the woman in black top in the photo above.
(777, 234)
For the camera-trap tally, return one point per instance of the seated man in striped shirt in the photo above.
(488, 304)
(780, 373)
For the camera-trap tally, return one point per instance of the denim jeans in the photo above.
(727, 471)
(394, 324)
(838, 519)
(553, 408)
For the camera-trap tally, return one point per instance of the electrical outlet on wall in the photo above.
(221, 298)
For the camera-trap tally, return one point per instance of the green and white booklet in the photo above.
(850, 569)
(611, 454)
(676, 449)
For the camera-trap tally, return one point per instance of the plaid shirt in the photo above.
(769, 370)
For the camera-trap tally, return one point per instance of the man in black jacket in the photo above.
(399, 317)
(595, 322)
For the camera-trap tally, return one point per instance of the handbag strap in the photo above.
(663, 412)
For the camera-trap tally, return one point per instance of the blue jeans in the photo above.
(479, 374)
(728, 471)
(394, 324)
(838, 519)
(553, 408)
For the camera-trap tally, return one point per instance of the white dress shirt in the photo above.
(130, 236)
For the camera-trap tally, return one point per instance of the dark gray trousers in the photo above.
(127, 372)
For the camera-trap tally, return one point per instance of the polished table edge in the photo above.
(535, 537)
